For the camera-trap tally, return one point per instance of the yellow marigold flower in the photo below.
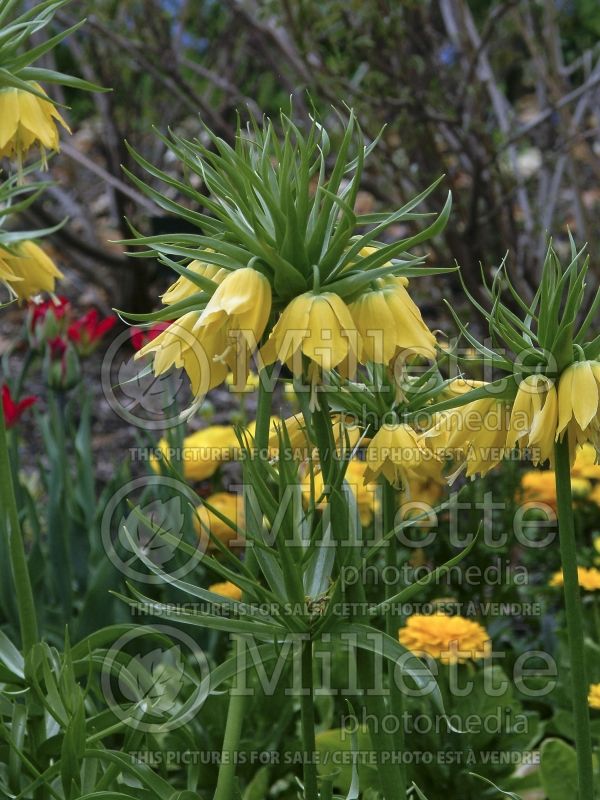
(25, 120)
(396, 453)
(226, 589)
(540, 486)
(534, 418)
(230, 505)
(28, 270)
(588, 578)
(389, 322)
(318, 326)
(203, 451)
(594, 696)
(365, 493)
(450, 639)
(473, 434)
(579, 403)
(184, 287)
(586, 463)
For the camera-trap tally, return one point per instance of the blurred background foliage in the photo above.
(500, 95)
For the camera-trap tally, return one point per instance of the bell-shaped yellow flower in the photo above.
(534, 418)
(240, 305)
(27, 270)
(390, 323)
(25, 120)
(208, 343)
(365, 493)
(396, 453)
(474, 435)
(178, 346)
(184, 287)
(579, 404)
(318, 326)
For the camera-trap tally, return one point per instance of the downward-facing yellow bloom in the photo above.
(390, 323)
(25, 120)
(365, 493)
(345, 433)
(474, 435)
(226, 589)
(579, 404)
(210, 343)
(450, 639)
(594, 696)
(534, 418)
(208, 524)
(318, 326)
(586, 463)
(184, 287)
(396, 453)
(27, 270)
(588, 579)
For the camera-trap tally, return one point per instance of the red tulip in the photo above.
(13, 410)
(87, 331)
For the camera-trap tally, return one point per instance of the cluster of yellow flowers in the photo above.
(450, 639)
(208, 344)
(27, 119)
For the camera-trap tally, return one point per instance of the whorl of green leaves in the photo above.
(551, 331)
(277, 200)
(17, 57)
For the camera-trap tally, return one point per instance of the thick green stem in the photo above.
(574, 613)
(391, 624)
(307, 711)
(381, 741)
(16, 548)
(237, 702)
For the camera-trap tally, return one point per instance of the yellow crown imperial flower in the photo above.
(579, 404)
(226, 589)
(449, 639)
(205, 343)
(183, 287)
(474, 435)
(389, 323)
(365, 493)
(26, 119)
(318, 326)
(534, 418)
(594, 696)
(28, 270)
(396, 453)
